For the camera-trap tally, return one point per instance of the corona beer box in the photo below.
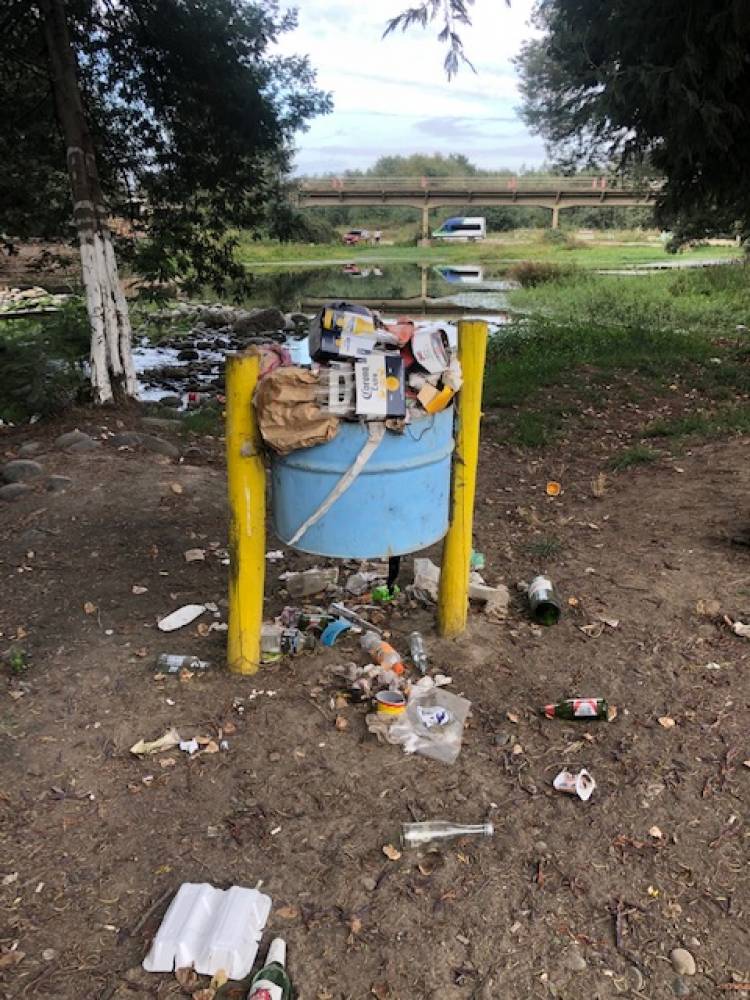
(380, 385)
(342, 331)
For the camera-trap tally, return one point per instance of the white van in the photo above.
(462, 228)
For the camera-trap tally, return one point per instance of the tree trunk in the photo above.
(111, 338)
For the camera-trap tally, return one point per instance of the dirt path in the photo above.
(568, 900)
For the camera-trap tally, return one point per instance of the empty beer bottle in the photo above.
(578, 708)
(272, 982)
(543, 601)
(417, 834)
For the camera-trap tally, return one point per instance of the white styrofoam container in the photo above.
(210, 929)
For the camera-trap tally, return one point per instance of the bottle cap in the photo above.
(277, 952)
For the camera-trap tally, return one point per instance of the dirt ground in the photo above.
(569, 899)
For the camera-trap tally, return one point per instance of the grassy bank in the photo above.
(665, 349)
(542, 245)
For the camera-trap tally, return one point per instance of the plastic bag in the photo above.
(433, 725)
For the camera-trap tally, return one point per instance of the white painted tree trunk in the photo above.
(111, 336)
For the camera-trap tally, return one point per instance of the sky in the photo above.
(391, 95)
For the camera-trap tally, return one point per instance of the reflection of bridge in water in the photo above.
(425, 193)
(470, 278)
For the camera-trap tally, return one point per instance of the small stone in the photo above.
(542, 849)
(502, 739)
(31, 448)
(84, 445)
(693, 942)
(683, 962)
(20, 470)
(49, 954)
(13, 491)
(635, 978)
(369, 884)
(71, 438)
(680, 988)
(188, 355)
(274, 758)
(55, 484)
(160, 446)
(575, 961)
(125, 439)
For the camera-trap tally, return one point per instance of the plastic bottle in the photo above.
(417, 834)
(382, 653)
(170, 663)
(544, 602)
(272, 982)
(418, 652)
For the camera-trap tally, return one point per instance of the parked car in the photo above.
(354, 236)
(462, 228)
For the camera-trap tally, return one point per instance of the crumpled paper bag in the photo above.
(289, 415)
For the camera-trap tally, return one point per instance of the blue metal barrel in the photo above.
(397, 504)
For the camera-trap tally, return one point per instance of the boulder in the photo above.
(20, 470)
(158, 445)
(13, 491)
(56, 484)
(71, 438)
(259, 321)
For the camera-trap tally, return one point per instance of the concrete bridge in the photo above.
(424, 193)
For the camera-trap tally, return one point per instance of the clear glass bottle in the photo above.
(418, 652)
(171, 663)
(417, 834)
(272, 982)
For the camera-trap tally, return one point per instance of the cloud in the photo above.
(391, 95)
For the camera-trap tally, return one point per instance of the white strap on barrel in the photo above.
(375, 432)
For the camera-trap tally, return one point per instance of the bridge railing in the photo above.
(503, 182)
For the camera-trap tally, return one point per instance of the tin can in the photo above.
(390, 702)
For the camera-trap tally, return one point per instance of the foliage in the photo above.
(637, 455)
(42, 363)
(530, 273)
(193, 115)
(453, 13)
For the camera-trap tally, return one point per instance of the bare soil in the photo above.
(100, 839)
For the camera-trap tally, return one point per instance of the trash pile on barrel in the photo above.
(361, 368)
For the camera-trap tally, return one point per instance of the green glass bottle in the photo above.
(586, 709)
(272, 982)
(543, 601)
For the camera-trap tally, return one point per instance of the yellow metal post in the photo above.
(453, 602)
(247, 516)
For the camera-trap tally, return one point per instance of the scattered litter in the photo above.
(333, 630)
(382, 652)
(666, 722)
(177, 488)
(476, 560)
(168, 741)
(429, 831)
(170, 663)
(739, 628)
(432, 725)
(656, 833)
(418, 652)
(593, 631)
(276, 556)
(182, 616)
(610, 622)
(89, 608)
(553, 489)
(580, 784)
(9, 879)
(586, 709)
(210, 930)
(427, 584)
(390, 702)
(273, 979)
(543, 601)
(189, 746)
(391, 852)
(342, 611)
(361, 582)
(137, 589)
(311, 581)
(195, 555)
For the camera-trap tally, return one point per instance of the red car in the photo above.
(355, 236)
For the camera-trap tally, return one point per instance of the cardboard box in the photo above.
(342, 332)
(380, 384)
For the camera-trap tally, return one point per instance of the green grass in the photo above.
(544, 548)
(206, 420)
(718, 423)
(532, 246)
(637, 455)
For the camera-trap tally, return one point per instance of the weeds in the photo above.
(637, 455)
(544, 548)
(726, 420)
(530, 273)
(206, 420)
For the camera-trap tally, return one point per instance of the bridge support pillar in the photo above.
(425, 224)
(556, 217)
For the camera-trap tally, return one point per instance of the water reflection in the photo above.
(413, 288)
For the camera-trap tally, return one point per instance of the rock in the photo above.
(32, 448)
(683, 962)
(214, 317)
(369, 884)
(84, 445)
(126, 439)
(72, 437)
(188, 355)
(20, 470)
(680, 988)
(13, 491)
(258, 321)
(575, 961)
(55, 484)
(161, 423)
(693, 942)
(173, 402)
(158, 445)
